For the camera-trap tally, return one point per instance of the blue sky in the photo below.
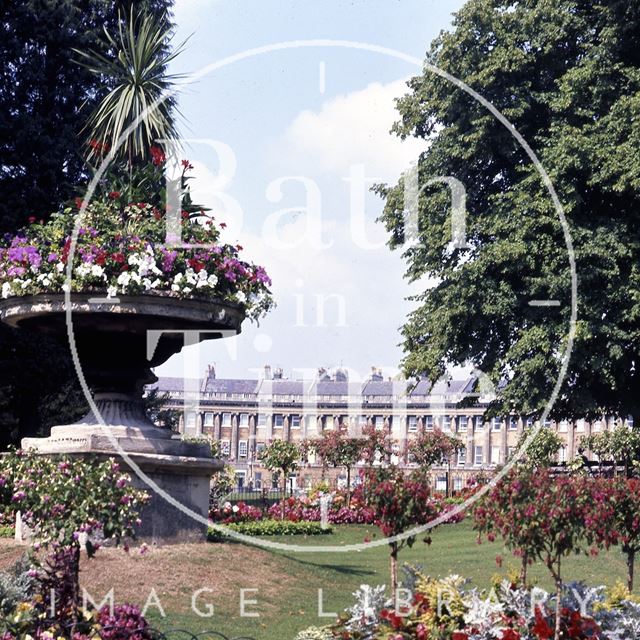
(296, 129)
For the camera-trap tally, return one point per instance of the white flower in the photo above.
(60, 267)
(240, 297)
(175, 287)
(177, 278)
(83, 270)
(235, 508)
(124, 278)
(156, 284)
(26, 283)
(97, 270)
(212, 280)
(112, 292)
(6, 289)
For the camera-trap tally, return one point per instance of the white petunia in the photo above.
(6, 289)
(112, 291)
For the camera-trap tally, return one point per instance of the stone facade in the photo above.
(245, 415)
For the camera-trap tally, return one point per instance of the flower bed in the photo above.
(296, 510)
(239, 512)
(448, 609)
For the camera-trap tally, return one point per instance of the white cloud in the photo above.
(353, 129)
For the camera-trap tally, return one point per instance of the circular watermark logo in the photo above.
(414, 189)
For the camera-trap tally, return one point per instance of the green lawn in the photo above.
(293, 604)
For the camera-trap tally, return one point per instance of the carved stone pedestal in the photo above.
(112, 345)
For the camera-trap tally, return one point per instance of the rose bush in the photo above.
(239, 512)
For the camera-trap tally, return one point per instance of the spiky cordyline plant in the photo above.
(137, 69)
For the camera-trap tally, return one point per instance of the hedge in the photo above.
(273, 528)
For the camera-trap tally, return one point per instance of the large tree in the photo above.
(566, 74)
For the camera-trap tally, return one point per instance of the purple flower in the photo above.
(53, 257)
(262, 277)
(168, 259)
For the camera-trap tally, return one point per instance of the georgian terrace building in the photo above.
(245, 415)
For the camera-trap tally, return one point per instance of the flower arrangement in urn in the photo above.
(121, 248)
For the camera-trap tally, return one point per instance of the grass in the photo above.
(287, 582)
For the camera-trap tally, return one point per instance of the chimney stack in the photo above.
(267, 372)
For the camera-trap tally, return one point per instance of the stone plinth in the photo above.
(181, 469)
(117, 343)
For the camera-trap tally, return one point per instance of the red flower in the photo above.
(186, 164)
(31, 219)
(459, 635)
(157, 156)
(510, 634)
(114, 195)
(541, 628)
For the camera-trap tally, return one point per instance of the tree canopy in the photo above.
(566, 75)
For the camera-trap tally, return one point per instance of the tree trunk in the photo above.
(558, 580)
(348, 486)
(394, 569)
(523, 571)
(631, 558)
(284, 493)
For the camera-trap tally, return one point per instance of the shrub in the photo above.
(16, 586)
(273, 528)
(125, 623)
(315, 633)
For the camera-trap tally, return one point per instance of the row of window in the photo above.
(441, 422)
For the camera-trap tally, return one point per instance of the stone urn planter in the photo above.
(118, 342)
